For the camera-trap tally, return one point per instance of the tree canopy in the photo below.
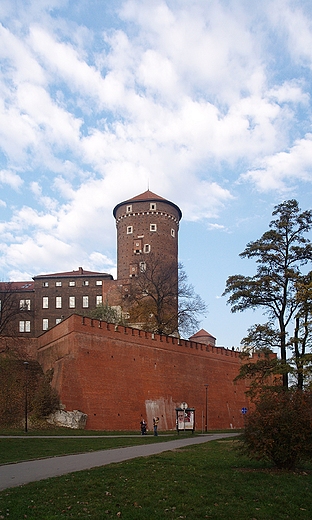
(279, 286)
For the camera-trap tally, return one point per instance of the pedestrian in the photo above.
(143, 427)
(155, 425)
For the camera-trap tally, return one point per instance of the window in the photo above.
(133, 270)
(58, 284)
(137, 246)
(45, 302)
(173, 233)
(129, 208)
(58, 320)
(153, 227)
(99, 300)
(72, 302)
(147, 248)
(152, 206)
(72, 283)
(85, 301)
(58, 302)
(86, 282)
(45, 284)
(142, 267)
(129, 230)
(45, 324)
(24, 326)
(25, 305)
(98, 282)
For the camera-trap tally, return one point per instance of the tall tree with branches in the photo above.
(161, 300)
(280, 254)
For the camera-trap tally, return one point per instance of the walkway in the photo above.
(12, 475)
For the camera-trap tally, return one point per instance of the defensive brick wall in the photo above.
(117, 375)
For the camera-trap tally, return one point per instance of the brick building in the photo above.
(119, 374)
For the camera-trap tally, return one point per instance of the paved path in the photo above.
(12, 475)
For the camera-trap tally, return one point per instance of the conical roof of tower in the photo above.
(150, 197)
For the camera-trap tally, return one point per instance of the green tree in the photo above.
(280, 253)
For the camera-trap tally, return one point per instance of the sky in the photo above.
(205, 102)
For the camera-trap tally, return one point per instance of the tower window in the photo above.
(58, 302)
(45, 284)
(142, 267)
(147, 248)
(85, 301)
(153, 227)
(172, 232)
(98, 282)
(58, 284)
(129, 230)
(71, 283)
(137, 246)
(153, 206)
(72, 302)
(45, 302)
(25, 305)
(129, 208)
(86, 282)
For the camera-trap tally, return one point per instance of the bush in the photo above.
(279, 429)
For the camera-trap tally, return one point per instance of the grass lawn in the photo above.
(205, 481)
(18, 449)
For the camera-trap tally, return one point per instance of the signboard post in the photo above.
(185, 418)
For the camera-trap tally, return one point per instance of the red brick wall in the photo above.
(119, 376)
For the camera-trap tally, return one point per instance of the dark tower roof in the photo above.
(147, 196)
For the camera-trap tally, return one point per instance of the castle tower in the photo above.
(146, 224)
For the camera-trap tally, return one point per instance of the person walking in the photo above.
(155, 425)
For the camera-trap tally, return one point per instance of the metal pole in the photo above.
(206, 417)
(26, 392)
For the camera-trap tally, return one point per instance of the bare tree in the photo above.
(160, 299)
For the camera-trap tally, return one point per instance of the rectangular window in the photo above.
(45, 284)
(45, 302)
(72, 302)
(58, 302)
(24, 326)
(58, 320)
(129, 209)
(99, 300)
(99, 282)
(45, 324)
(58, 284)
(137, 246)
(86, 282)
(25, 305)
(173, 233)
(85, 301)
(152, 206)
(153, 227)
(72, 283)
(129, 230)
(142, 267)
(147, 248)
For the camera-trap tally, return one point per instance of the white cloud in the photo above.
(275, 171)
(11, 179)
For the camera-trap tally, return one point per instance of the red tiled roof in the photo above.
(17, 286)
(147, 196)
(79, 272)
(202, 333)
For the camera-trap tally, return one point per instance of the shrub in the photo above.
(279, 429)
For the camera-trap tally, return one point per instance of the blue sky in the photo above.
(207, 102)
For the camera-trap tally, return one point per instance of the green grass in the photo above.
(210, 480)
(16, 449)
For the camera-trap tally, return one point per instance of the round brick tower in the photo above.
(146, 224)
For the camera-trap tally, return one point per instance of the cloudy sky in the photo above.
(207, 102)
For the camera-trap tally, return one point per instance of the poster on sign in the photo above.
(185, 419)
